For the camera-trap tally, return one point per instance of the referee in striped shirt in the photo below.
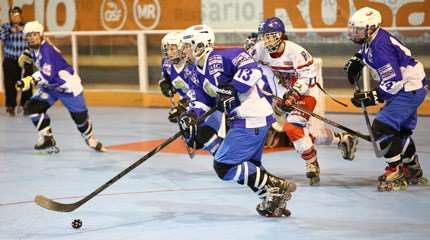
(13, 46)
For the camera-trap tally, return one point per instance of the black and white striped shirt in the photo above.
(13, 42)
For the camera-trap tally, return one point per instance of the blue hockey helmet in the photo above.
(272, 25)
(272, 31)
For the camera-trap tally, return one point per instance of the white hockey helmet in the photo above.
(33, 26)
(361, 21)
(164, 44)
(175, 55)
(200, 37)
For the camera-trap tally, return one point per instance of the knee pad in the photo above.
(222, 169)
(34, 106)
(79, 117)
(204, 135)
(386, 135)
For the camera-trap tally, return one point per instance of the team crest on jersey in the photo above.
(209, 88)
(242, 59)
(215, 64)
(47, 69)
(179, 83)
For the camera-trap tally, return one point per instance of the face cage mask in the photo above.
(358, 35)
(198, 50)
(272, 41)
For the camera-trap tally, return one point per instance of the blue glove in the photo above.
(226, 97)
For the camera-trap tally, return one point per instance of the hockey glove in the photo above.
(24, 84)
(291, 98)
(25, 58)
(225, 98)
(369, 98)
(279, 107)
(188, 127)
(353, 68)
(166, 88)
(176, 111)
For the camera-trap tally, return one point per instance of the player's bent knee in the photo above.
(294, 132)
(204, 134)
(222, 169)
(79, 117)
(34, 106)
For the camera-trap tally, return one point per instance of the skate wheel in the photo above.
(53, 150)
(314, 181)
(418, 181)
(286, 212)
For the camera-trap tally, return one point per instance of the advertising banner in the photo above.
(84, 15)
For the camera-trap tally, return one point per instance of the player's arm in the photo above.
(303, 78)
(4, 31)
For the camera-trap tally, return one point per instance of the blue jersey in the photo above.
(50, 63)
(392, 65)
(178, 76)
(236, 67)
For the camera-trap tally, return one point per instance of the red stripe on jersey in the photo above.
(281, 68)
(306, 64)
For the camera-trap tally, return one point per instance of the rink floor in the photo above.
(173, 197)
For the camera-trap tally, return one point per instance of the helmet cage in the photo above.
(272, 41)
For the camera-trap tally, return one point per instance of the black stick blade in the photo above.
(53, 205)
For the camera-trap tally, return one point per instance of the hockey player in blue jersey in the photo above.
(402, 85)
(57, 81)
(228, 79)
(176, 73)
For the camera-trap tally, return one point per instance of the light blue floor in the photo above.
(173, 197)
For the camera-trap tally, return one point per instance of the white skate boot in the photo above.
(95, 144)
(347, 145)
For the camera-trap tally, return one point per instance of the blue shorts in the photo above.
(242, 144)
(72, 103)
(213, 120)
(400, 112)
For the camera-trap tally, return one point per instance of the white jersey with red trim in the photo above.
(294, 66)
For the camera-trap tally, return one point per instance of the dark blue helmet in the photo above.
(271, 25)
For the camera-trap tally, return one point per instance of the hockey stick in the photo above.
(319, 117)
(68, 207)
(376, 148)
(191, 151)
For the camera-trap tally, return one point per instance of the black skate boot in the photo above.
(46, 143)
(278, 192)
(393, 180)
(312, 170)
(347, 145)
(413, 171)
(95, 144)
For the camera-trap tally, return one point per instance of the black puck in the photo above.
(77, 223)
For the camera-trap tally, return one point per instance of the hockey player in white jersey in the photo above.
(401, 84)
(227, 80)
(294, 67)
